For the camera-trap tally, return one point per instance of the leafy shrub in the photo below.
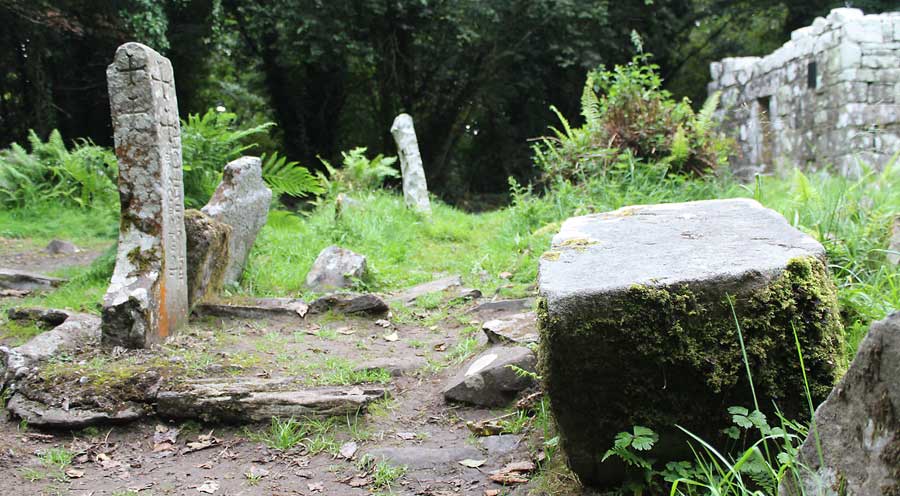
(628, 116)
(83, 177)
(359, 173)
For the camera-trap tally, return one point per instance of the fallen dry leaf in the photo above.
(485, 428)
(440, 347)
(391, 337)
(407, 436)
(383, 323)
(346, 331)
(300, 307)
(349, 449)
(315, 487)
(468, 462)
(505, 275)
(208, 487)
(491, 492)
(359, 481)
(257, 472)
(513, 473)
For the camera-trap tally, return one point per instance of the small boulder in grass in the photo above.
(335, 268)
(61, 247)
(490, 379)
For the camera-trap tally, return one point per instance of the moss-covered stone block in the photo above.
(207, 255)
(637, 326)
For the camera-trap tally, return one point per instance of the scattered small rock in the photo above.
(488, 379)
(61, 247)
(27, 281)
(520, 328)
(410, 295)
(336, 268)
(417, 458)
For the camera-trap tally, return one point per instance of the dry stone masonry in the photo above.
(242, 202)
(415, 189)
(147, 297)
(827, 98)
(636, 323)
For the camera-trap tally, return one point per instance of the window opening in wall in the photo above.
(811, 71)
(765, 130)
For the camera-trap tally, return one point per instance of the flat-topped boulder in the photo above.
(636, 323)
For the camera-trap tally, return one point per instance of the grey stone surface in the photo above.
(207, 255)
(38, 414)
(496, 309)
(504, 444)
(858, 426)
(519, 328)
(893, 255)
(27, 281)
(260, 308)
(255, 400)
(415, 188)
(397, 366)
(827, 97)
(242, 202)
(666, 244)
(77, 330)
(636, 326)
(488, 380)
(49, 317)
(418, 458)
(147, 297)
(410, 295)
(61, 247)
(349, 303)
(335, 268)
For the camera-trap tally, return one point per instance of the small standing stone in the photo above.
(241, 201)
(415, 189)
(335, 268)
(857, 428)
(207, 254)
(894, 246)
(147, 297)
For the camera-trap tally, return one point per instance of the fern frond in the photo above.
(289, 177)
(590, 104)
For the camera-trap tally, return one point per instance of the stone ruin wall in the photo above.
(826, 98)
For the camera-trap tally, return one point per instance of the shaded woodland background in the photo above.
(478, 76)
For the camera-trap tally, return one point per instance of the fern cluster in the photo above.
(358, 173)
(628, 115)
(83, 177)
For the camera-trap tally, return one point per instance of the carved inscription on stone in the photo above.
(147, 297)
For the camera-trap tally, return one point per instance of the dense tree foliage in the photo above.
(478, 76)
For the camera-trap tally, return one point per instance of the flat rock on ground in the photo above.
(518, 328)
(28, 281)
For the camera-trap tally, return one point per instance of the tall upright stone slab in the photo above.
(147, 297)
(415, 189)
(242, 202)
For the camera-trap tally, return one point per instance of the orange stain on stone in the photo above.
(163, 330)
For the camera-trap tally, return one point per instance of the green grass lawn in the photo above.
(850, 217)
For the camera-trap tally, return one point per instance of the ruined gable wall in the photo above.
(829, 95)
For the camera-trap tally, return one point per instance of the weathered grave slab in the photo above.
(495, 309)
(415, 188)
(419, 458)
(253, 400)
(207, 255)
(636, 326)
(335, 268)
(349, 303)
(242, 202)
(27, 281)
(39, 414)
(147, 297)
(410, 295)
(489, 379)
(858, 426)
(259, 308)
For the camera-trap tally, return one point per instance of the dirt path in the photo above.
(27, 256)
(414, 430)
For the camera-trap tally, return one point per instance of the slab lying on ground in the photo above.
(260, 308)
(857, 429)
(70, 331)
(27, 281)
(636, 326)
